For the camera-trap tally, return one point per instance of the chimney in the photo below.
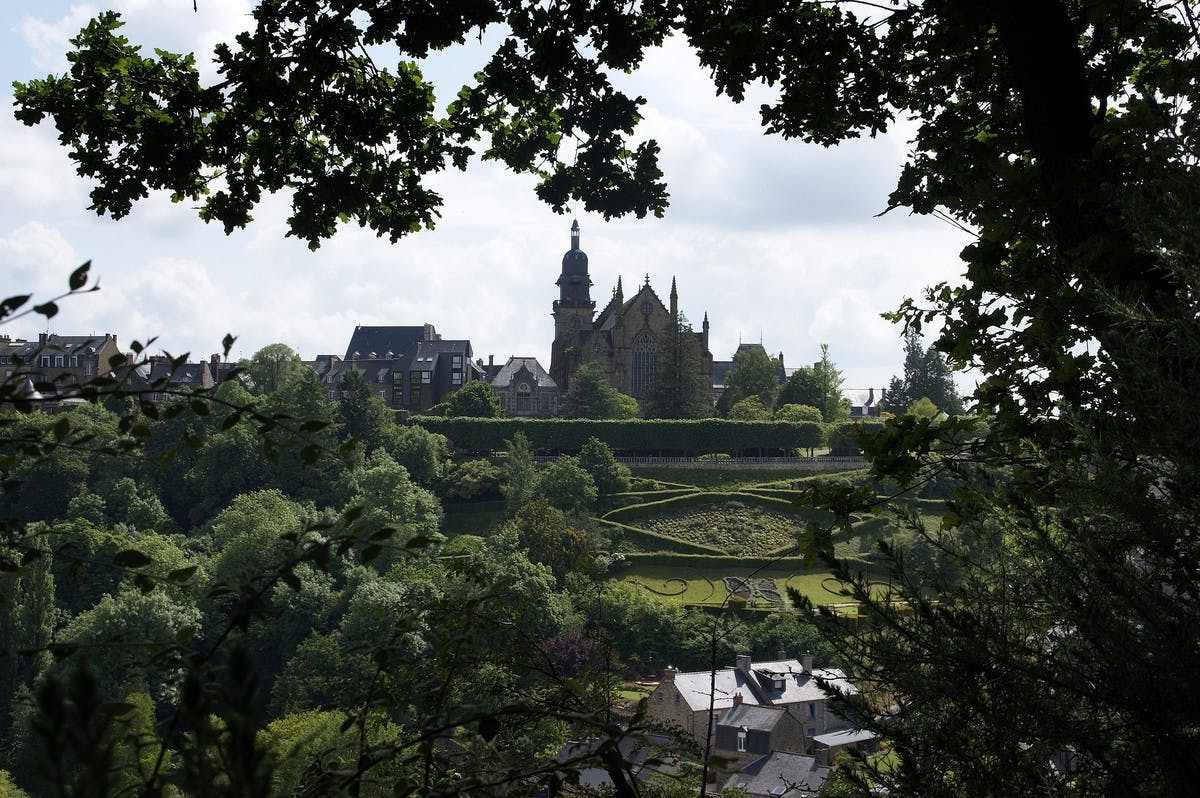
(669, 673)
(743, 663)
(870, 396)
(737, 698)
(491, 360)
(215, 360)
(806, 663)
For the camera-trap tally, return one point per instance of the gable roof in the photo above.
(509, 370)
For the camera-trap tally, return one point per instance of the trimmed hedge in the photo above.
(669, 546)
(707, 499)
(713, 561)
(842, 438)
(634, 436)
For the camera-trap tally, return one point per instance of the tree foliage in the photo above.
(476, 399)
(754, 374)
(1061, 135)
(680, 389)
(590, 396)
(926, 375)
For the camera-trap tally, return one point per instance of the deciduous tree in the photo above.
(754, 374)
(590, 396)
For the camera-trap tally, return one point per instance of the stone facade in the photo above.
(626, 338)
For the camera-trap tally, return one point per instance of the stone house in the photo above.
(410, 368)
(681, 700)
(54, 365)
(525, 389)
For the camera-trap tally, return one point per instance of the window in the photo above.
(525, 404)
(456, 362)
(59, 360)
(456, 378)
(645, 364)
(45, 361)
(741, 743)
(74, 361)
(812, 711)
(426, 377)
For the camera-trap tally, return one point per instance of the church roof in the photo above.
(509, 370)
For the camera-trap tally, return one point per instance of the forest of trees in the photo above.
(309, 602)
(1061, 135)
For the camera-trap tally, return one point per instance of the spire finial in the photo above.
(647, 278)
(575, 234)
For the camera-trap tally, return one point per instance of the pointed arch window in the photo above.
(645, 363)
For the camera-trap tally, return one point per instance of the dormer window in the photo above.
(741, 739)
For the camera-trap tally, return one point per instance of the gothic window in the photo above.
(524, 393)
(645, 363)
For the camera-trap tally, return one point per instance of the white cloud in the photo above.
(768, 237)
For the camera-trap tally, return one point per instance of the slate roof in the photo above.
(780, 774)
(509, 370)
(650, 755)
(752, 716)
(382, 340)
(756, 687)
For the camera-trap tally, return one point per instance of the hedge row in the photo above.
(635, 436)
(706, 499)
(708, 562)
(669, 546)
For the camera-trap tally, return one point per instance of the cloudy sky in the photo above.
(775, 240)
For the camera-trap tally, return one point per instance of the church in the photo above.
(626, 338)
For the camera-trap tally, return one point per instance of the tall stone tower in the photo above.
(573, 312)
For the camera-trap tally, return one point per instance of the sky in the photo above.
(777, 241)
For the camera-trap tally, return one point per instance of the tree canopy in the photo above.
(476, 399)
(590, 396)
(754, 374)
(927, 375)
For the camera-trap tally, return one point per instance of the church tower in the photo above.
(573, 312)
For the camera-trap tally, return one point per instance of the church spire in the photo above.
(575, 235)
(620, 292)
(674, 301)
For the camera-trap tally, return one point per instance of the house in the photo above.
(55, 365)
(865, 402)
(749, 731)
(681, 700)
(409, 367)
(525, 388)
(780, 775)
(158, 379)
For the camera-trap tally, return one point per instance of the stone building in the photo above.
(682, 700)
(626, 338)
(525, 389)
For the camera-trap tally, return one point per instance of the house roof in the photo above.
(509, 371)
(756, 685)
(780, 774)
(385, 339)
(752, 716)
